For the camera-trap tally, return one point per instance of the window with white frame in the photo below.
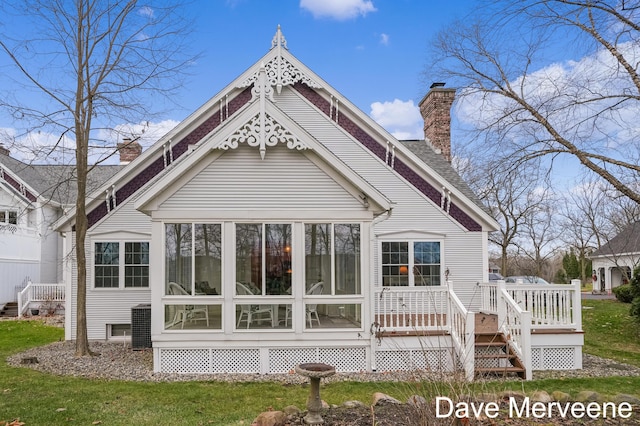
(9, 216)
(332, 256)
(411, 263)
(121, 264)
(193, 258)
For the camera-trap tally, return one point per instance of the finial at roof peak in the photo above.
(278, 39)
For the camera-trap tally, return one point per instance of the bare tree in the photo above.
(582, 112)
(94, 64)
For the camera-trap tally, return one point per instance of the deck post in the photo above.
(500, 303)
(525, 328)
(470, 348)
(577, 304)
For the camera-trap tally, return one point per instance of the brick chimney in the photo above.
(4, 151)
(435, 108)
(129, 150)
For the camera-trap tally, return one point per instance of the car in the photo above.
(526, 279)
(493, 277)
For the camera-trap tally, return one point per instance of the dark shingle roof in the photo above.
(437, 162)
(627, 241)
(55, 182)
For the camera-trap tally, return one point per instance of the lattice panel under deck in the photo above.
(283, 360)
(558, 358)
(344, 359)
(433, 360)
(236, 360)
(185, 361)
(536, 359)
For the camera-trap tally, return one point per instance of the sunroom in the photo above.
(268, 277)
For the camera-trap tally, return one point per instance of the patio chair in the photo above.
(186, 313)
(312, 309)
(250, 313)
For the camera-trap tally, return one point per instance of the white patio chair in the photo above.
(186, 313)
(249, 313)
(312, 309)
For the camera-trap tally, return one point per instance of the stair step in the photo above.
(496, 356)
(499, 370)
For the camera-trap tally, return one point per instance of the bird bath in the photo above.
(315, 372)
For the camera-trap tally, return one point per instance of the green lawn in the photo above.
(42, 399)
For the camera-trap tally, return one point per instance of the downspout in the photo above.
(372, 271)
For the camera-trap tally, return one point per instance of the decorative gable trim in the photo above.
(280, 72)
(262, 131)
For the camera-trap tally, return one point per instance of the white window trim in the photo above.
(121, 264)
(411, 242)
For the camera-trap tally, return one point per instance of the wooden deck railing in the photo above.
(53, 294)
(423, 309)
(515, 322)
(552, 306)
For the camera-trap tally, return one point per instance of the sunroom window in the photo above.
(263, 258)
(334, 246)
(410, 263)
(193, 258)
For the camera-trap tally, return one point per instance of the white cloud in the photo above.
(338, 9)
(146, 11)
(400, 118)
(384, 39)
(47, 148)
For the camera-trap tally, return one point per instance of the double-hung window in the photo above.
(121, 264)
(411, 263)
(9, 216)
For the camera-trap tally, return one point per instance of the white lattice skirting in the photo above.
(556, 358)
(258, 360)
(413, 359)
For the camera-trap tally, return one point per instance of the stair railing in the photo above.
(515, 324)
(42, 293)
(462, 324)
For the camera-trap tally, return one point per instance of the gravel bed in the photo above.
(117, 361)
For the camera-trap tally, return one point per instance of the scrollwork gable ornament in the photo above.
(262, 134)
(280, 72)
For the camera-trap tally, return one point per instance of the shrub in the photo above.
(624, 293)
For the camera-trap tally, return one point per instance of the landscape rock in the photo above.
(506, 395)
(540, 396)
(270, 418)
(623, 397)
(588, 396)
(291, 410)
(380, 398)
(354, 404)
(560, 396)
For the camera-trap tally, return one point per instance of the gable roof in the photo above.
(281, 69)
(626, 242)
(51, 183)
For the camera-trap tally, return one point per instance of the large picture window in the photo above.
(193, 258)
(410, 263)
(115, 267)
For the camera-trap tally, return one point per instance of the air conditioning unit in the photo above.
(141, 327)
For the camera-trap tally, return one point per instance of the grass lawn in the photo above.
(42, 399)
(610, 332)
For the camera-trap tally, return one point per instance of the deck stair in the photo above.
(493, 355)
(9, 310)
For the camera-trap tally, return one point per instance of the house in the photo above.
(279, 224)
(32, 197)
(614, 262)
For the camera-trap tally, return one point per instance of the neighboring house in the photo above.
(614, 262)
(279, 224)
(32, 197)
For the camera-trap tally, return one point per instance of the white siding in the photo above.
(241, 180)
(462, 251)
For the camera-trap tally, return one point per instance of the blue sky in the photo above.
(372, 51)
